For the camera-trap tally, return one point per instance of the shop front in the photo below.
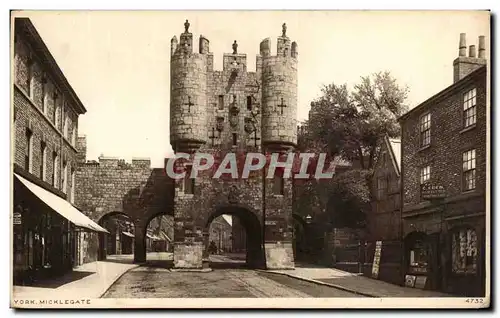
(45, 228)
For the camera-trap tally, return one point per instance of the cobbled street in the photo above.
(226, 280)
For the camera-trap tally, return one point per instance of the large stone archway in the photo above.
(253, 228)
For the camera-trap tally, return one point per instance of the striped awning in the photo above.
(128, 234)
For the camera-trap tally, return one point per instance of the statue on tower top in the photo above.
(186, 26)
(235, 47)
(283, 27)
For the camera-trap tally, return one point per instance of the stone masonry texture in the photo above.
(233, 110)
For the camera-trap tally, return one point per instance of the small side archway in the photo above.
(299, 237)
(253, 228)
(120, 240)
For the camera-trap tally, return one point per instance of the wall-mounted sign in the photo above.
(432, 191)
(17, 218)
(376, 259)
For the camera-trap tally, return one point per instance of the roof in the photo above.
(25, 28)
(394, 146)
(445, 92)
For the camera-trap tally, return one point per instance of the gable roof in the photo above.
(394, 146)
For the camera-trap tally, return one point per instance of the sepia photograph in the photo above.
(250, 159)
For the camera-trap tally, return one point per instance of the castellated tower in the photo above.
(233, 110)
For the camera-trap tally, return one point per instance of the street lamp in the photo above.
(308, 219)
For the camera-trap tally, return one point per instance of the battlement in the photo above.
(115, 162)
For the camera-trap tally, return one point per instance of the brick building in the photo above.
(48, 228)
(233, 110)
(443, 170)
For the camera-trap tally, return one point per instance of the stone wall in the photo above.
(134, 189)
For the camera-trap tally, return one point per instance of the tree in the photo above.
(351, 124)
(349, 199)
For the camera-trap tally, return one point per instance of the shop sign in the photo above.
(432, 191)
(17, 218)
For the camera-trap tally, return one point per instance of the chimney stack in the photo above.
(472, 51)
(462, 46)
(463, 65)
(482, 47)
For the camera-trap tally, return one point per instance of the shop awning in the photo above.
(153, 237)
(128, 234)
(61, 206)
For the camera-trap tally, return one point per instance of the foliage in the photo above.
(349, 198)
(351, 124)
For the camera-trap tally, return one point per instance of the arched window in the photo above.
(464, 250)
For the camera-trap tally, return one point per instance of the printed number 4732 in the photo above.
(474, 300)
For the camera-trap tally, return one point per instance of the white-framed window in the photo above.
(425, 130)
(469, 170)
(65, 177)
(464, 251)
(73, 135)
(66, 127)
(43, 96)
(425, 174)
(55, 170)
(73, 181)
(470, 108)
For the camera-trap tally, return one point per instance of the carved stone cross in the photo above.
(255, 138)
(189, 104)
(282, 105)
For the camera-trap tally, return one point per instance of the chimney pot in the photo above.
(482, 47)
(462, 48)
(472, 51)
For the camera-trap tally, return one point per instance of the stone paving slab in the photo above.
(88, 281)
(356, 283)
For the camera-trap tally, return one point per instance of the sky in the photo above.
(118, 62)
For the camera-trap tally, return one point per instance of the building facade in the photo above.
(444, 160)
(383, 224)
(44, 129)
(233, 110)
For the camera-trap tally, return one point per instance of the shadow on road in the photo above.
(55, 282)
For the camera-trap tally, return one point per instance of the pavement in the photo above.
(118, 277)
(354, 283)
(88, 281)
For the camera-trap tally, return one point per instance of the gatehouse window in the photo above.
(425, 130)
(235, 139)
(469, 170)
(470, 108)
(188, 182)
(249, 102)
(464, 251)
(221, 102)
(278, 185)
